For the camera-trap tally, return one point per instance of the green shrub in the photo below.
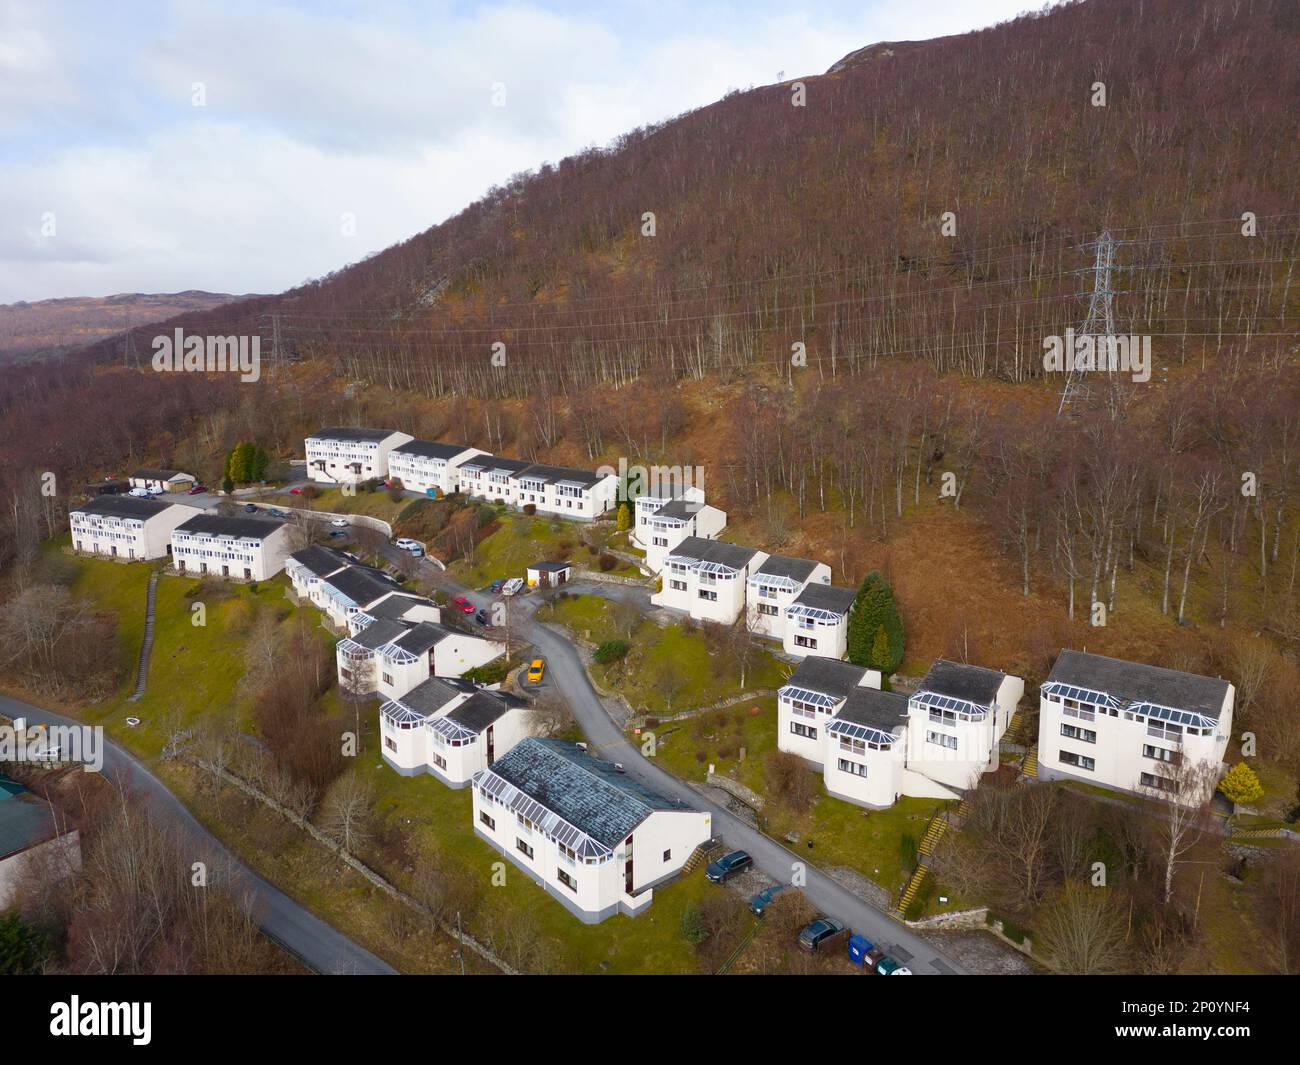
(611, 651)
(492, 673)
(692, 925)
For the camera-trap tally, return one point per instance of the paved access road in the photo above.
(564, 669)
(294, 927)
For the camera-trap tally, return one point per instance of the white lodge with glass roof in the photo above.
(592, 836)
(706, 579)
(874, 747)
(1127, 725)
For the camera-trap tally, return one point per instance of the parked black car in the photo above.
(815, 933)
(728, 866)
(481, 617)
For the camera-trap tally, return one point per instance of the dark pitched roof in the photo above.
(362, 585)
(430, 696)
(322, 560)
(25, 819)
(797, 569)
(681, 509)
(354, 434)
(551, 567)
(975, 684)
(378, 633)
(874, 708)
(1137, 682)
(245, 528)
(496, 462)
(431, 449)
(551, 474)
(419, 638)
(148, 473)
(731, 555)
(122, 507)
(827, 597)
(827, 675)
(587, 792)
(398, 606)
(483, 708)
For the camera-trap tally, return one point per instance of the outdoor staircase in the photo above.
(909, 892)
(701, 855)
(963, 810)
(1014, 728)
(1029, 767)
(146, 645)
(933, 834)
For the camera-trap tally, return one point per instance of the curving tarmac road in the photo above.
(303, 934)
(566, 671)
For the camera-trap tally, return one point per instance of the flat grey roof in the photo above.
(122, 506)
(551, 474)
(322, 560)
(1137, 682)
(829, 676)
(731, 555)
(431, 449)
(875, 709)
(362, 586)
(245, 528)
(25, 818)
(797, 569)
(827, 597)
(958, 680)
(586, 791)
(483, 708)
(339, 432)
(430, 696)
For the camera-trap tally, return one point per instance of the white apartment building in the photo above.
(489, 477)
(342, 455)
(660, 531)
(874, 747)
(451, 729)
(594, 837)
(707, 579)
(251, 549)
(429, 466)
(126, 527)
(563, 490)
(817, 621)
(1129, 726)
(306, 568)
(390, 656)
(776, 584)
(356, 588)
(656, 497)
(807, 702)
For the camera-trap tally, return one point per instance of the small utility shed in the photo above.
(549, 574)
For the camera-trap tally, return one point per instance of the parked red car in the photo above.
(198, 490)
(295, 491)
(463, 605)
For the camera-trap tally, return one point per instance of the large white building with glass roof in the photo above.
(1131, 726)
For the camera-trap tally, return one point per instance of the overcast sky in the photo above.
(330, 130)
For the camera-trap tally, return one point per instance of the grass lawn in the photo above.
(194, 670)
(440, 818)
(518, 542)
(194, 676)
(375, 504)
(870, 841)
(668, 669)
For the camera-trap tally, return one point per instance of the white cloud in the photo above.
(310, 115)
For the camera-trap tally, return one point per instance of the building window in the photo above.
(942, 740)
(523, 848)
(806, 731)
(565, 879)
(805, 641)
(712, 597)
(1161, 754)
(853, 745)
(485, 819)
(668, 855)
(1073, 732)
(856, 768)
(390, 743)
(677, 586)
(1079, 761)
(388, 678)
(771, 609)
(1152, 780)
